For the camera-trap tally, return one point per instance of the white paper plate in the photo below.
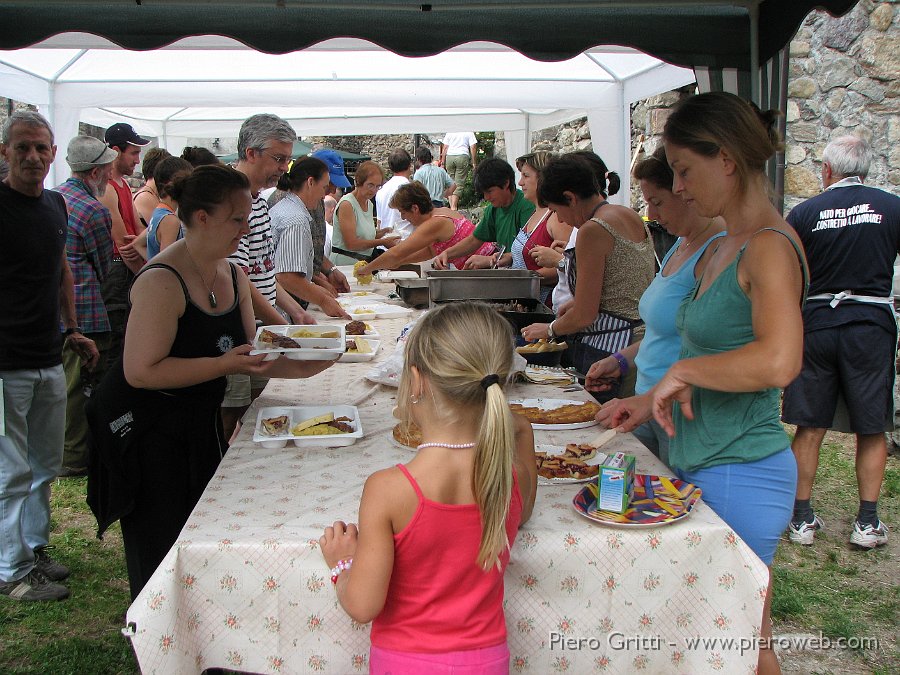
(356, 357)
(391, 311)
(297, 414)
(558, 450)
(549, 404)
(311, 349)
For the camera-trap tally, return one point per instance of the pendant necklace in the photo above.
(212, 296)
(684, 247)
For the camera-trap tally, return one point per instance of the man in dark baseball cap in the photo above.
(125, 227)
(121, 134)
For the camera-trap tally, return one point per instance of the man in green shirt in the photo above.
(507, 214)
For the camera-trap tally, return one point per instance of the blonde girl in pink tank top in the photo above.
(426, 562)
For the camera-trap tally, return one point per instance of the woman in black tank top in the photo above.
(155, 420)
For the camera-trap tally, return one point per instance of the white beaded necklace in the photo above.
(452, 446)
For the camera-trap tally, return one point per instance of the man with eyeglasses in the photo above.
(265, 143)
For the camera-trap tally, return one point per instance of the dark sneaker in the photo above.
(51, 569)
(869, 536)
(72, 472)
(33, 587)
(804, 533)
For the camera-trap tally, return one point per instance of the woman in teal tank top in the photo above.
(741, 328)
(661, 345)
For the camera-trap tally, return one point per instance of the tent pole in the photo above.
(51, 117)
(624, 146)
(753, 9)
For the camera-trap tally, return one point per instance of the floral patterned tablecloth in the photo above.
(246, 588)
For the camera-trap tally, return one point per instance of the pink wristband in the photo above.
(342, 565)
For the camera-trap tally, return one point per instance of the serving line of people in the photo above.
(738, 275)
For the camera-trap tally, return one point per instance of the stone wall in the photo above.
(568, 137)
(647, 119)
(378, 147)
(844, 78)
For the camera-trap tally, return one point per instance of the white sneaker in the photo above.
(804, 533)
(869, 536)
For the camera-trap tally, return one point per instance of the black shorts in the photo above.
(855, 360)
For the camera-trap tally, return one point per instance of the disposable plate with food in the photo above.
(369, 331)
(657, 501)
(351, 301)
(377, 311)
(360, 294)
(354, 355)
(361, 298)
(405, 436)
(559, 450)
(308, 426)
(556, 414)
(319, 342)
(362, 312)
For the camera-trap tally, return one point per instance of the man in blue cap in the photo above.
(325, 273)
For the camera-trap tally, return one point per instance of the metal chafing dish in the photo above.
(482, 285)
(524, 312)
(413, 292)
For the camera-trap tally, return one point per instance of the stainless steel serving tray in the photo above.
(482, 285)
(414, 292)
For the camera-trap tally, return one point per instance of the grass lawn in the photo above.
(835, 588)
(828, 588)
(80, 635)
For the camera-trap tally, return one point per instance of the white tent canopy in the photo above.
(206, 86)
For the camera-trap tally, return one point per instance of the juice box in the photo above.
(615, 483)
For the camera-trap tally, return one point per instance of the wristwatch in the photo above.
(561, 265)
(328, 272)
(68, 331)
(550, 333)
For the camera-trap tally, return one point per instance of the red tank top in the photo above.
(439, 599)
(126, 209)
(538, 237)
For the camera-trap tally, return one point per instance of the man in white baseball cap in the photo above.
(89, 250)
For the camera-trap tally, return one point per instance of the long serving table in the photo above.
(246, 588)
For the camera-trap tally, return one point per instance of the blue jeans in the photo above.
(654, 439)
(34, 403)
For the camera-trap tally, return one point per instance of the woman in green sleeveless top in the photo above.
(355, 234)
(741, 328)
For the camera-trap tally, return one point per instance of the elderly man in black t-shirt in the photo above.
(851, 233)
(36, 299)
